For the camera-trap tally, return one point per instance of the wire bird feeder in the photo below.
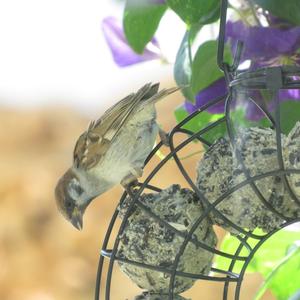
(258, 161)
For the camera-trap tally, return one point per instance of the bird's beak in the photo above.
(77, 218)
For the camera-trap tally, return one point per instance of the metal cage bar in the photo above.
(272, 79)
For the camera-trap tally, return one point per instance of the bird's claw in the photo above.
(129, 183)
(164, 137)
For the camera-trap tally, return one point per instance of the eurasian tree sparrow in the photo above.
(112, 150)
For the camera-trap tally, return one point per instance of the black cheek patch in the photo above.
(78, 189)
(75, 186)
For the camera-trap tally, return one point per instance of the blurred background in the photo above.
(57, 73)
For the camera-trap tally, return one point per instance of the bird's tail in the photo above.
(153, 95)
(165, 92)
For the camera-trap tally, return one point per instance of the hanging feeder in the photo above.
(248, 179)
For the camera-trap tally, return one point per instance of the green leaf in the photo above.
(288, 9)
(239, 119)
(201, 121)
(183, 68)
(196, 11)
(193, 31)
(204, 69)
(213, 16)
(229, 245)
(273, 250)
(282, 280)
(266, 258)
(289, 115)
(141, 19)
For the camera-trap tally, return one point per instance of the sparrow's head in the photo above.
(71, 198)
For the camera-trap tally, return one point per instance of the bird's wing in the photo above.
(93, 143)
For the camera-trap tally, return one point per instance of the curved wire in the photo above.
(259, 79)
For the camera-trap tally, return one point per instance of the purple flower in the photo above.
(265, 46)
(122, 54)
(255, 114)
(217, 89)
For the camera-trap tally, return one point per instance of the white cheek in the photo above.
(73, 190)
(81, 200)
(78, 199)
(73, 194)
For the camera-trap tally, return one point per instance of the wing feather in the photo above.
(95, 141)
